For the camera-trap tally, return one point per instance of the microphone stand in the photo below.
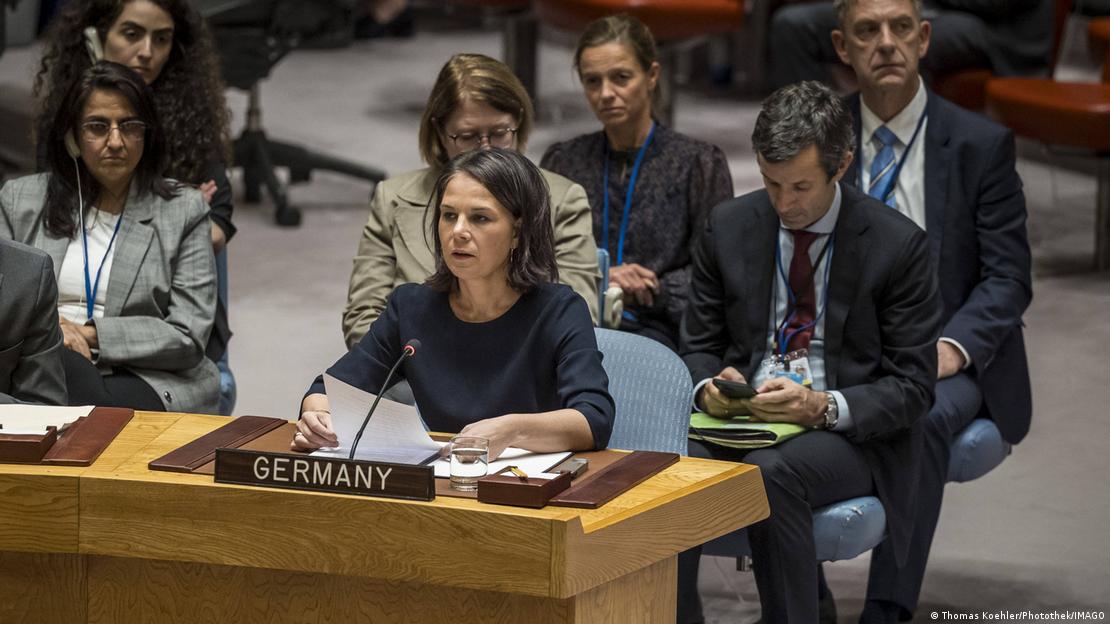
(408, 351)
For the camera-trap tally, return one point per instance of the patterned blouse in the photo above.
(679, 182)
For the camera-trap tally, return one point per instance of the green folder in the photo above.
(740, 432)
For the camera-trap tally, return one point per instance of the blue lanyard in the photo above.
(627, 196)
(781, 336)
(91, 287)
(901, 161)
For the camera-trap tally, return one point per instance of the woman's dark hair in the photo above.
(518, 185)
(61, 205)
(188, 93)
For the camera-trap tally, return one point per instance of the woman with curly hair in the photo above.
(167, 43)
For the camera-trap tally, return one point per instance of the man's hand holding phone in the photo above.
(716, 400)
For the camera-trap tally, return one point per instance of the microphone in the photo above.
(408, 351)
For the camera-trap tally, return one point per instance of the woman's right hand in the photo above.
(639, 283)
(314, 428)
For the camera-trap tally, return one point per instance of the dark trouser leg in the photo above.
(800, 44)
(86, 386)
(811, 470)
(959, 41)
(957, 403)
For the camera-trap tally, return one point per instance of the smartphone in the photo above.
(575, 467)
(734, 389)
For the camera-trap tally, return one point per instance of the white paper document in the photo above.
(18, 419)
(395, 432)
(531, 463)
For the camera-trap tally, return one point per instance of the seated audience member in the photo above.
(1009, 38)
(168, 44)
(649, 186)
(30, 337)
(133, 251)
(953, 173)
(476, 103)
(506, 353)
(811, 263)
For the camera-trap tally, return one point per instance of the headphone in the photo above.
(93, 45)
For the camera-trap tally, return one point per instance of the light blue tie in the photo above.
(882, 168)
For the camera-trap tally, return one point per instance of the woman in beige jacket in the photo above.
(476, 102)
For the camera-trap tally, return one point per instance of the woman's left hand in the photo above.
(73, 340)
(208, 190)
(499, 430)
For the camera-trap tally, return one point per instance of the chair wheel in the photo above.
(288, 217)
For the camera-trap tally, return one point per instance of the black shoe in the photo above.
(880, 612)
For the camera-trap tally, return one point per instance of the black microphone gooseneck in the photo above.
(408, 351)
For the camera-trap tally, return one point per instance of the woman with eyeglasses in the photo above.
(650, 187)
(168, 44)
(132, 250)
(476, 103)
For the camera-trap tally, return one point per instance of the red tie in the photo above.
(805, 297)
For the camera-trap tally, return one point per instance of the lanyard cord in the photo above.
(92, 287)
(901, 162)
(791, 309)
(627, 196)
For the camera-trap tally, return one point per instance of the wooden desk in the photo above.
(116, 542)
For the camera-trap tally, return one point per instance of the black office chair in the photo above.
(252, 36)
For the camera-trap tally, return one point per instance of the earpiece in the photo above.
(93, 45)
(71, 145)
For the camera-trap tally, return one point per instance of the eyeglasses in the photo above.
(132, 131)
(498, 137)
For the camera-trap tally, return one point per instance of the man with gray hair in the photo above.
(1011, 38)
(953, 172)
(814, 274)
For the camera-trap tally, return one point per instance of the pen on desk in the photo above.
(523, 476)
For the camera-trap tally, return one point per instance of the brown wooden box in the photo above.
(505, 488)
(26, 449)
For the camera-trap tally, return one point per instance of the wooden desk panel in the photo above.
(157, 546)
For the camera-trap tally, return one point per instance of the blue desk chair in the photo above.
(850, 528)
(652, 390)
(228, 392)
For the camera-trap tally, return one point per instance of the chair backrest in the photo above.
(652, 390)
(603, 284)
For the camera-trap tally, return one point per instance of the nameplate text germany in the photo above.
(325, 474)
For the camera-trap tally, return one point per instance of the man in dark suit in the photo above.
(958, 182)
(1011, 38)
(30, 337)
(860, 297)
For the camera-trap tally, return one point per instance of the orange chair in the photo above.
(670, 21)
(1067, 114)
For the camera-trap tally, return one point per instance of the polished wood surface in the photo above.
(148, 532)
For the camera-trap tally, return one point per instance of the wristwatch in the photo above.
(832, 411)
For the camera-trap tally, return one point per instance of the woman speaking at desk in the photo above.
(506, 353)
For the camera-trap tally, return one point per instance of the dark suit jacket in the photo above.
(975, 219)
(883, 319)
(30, 337)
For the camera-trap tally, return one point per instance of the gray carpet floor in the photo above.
(1029, 536)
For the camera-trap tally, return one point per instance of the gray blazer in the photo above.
(161, 297)
(30, 338)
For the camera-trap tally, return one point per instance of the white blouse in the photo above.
(71, 277)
